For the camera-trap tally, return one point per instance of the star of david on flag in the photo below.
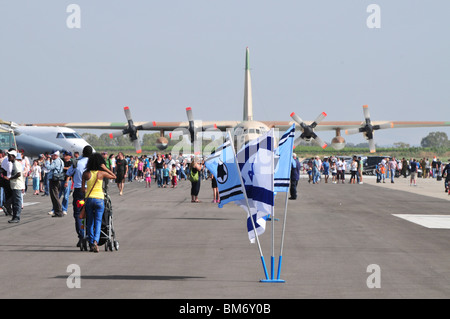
(222, 164)
(255, 160)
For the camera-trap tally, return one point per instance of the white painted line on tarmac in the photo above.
(428, 221)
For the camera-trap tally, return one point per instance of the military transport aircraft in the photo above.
(249, 129)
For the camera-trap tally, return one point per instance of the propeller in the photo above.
(132, 130)
(193, 128)
(308, 130)
(367, 128)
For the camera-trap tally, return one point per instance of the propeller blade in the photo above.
(189, 114)
(115, 134)
(352, 131)
(297, 141)
(318, 119)
(366, 112)
(147, 126)
(296, 118)
(383, 126)
(372, 146)
(192, 130)
(137, 146)
(320, 142)
(209, 127)
(127, 113)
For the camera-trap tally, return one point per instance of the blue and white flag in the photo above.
(222, 164)
(255, 160)
(283, 161)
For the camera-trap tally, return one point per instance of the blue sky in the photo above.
(158, 57)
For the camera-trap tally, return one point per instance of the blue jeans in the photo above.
(316, 175)
(94, 215)
(65, 192)
(159, 176)
(17, 203)
(392, 174)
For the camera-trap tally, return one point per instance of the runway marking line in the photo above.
(428, 221)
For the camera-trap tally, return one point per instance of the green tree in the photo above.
(401, 145)
(92, 139)
(435, 139)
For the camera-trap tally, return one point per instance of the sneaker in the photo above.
(64, 213)
(51, 213)
(95, 247)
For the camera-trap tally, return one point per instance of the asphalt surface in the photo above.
(341, 240)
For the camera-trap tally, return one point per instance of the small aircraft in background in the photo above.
(36, 140)
(249, 129)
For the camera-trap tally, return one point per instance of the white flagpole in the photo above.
(284, 224)
(280, 258)
(248, 207)
(273, 209)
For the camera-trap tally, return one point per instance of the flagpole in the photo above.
(248, 207)
(273, 213)
(272, 278)
(280, 258)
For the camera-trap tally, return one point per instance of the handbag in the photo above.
(83, 209)
(193, 177)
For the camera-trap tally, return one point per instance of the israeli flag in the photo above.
(222, 164)
(283, 161)
(255, 160)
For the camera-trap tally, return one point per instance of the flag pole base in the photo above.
(272, 280)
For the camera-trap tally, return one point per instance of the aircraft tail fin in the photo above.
(248, 101)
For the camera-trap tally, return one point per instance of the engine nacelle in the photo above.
(162, 143)
(338, 143)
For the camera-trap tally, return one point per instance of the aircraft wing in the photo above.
(223, 125)
(149, 126)
(345, 125)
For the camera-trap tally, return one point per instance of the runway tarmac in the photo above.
(342, 241)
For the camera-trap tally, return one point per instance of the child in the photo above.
(148, 177)
(35, 175)
(165, 176)
(334, 172)
(173, 174)
(141, 171)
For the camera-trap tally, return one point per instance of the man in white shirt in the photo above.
(392, 168)
(17, 183)
(7, 202)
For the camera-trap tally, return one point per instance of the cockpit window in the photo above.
(71, 135)
(59, 135)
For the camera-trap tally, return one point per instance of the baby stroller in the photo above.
(107, 233)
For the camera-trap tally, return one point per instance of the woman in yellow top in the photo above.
(93, 177)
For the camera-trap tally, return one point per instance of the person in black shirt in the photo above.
(121, 171)
(446, 174)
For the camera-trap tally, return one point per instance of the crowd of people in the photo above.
(332, 166)
(88, 176)
(387, 168)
